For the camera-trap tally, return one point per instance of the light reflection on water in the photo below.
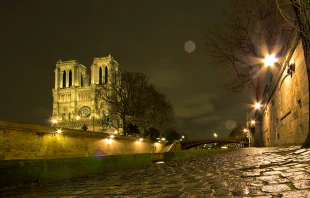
(159, 162)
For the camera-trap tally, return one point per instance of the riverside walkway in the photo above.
(245, 172)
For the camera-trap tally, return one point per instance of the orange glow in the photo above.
(58, 130)
(108, 140)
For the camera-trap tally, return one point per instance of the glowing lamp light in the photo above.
(245, 130)
(115, 132)
(54, 121)
(215, 135)
(111, 136)
(58, 130)
(257, 105)
(269, 60)
(108, 140)
(253, 122)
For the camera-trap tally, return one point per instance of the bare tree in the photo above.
(158, 112)
(252, 29)
(301, 15)
(133, 96)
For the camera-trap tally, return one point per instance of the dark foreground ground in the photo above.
(247, 172)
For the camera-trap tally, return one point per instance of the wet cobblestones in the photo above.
(248, 172)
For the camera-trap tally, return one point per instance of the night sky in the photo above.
(142, 36)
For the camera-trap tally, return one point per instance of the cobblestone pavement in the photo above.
(247, 172)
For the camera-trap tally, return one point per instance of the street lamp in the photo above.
(257, 106)
(215, 135)
(269, 60)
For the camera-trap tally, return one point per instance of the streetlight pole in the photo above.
(247, 128)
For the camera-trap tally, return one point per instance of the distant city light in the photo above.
(269, 60)
(215, 135)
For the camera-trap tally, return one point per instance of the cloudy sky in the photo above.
(163, 39)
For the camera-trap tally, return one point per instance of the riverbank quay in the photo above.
(245, 172)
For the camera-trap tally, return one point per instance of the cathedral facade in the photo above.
(74, 96)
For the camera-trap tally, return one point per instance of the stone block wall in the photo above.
(28, 141)
(285, 117)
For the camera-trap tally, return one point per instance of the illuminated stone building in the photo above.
(285, 112)
(74, 96)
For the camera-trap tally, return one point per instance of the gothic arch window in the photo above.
(82, 80)
(85, 112)
(64, 79)
(106, 75)
(100, 75)
(70, 78)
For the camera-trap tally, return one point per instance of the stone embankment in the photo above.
(247, 172)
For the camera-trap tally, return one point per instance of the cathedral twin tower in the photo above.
(74, 101)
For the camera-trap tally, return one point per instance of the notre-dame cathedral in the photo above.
(74, 103)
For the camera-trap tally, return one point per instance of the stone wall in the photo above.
(285, 117)
(29, 141)
(15, 173)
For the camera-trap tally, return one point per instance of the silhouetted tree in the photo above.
(132, 95)
(154, 133)
(172, 135)
(253, 28)
(237, 131)
(132, 129)
(158, 112)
